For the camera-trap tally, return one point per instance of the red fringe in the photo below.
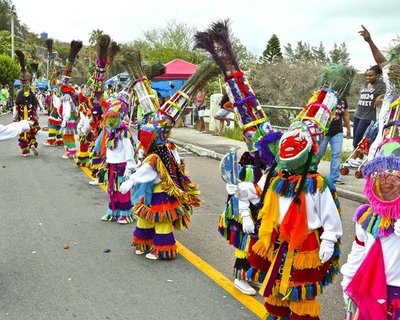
(310, 275)
(277, 310)
(258, 262)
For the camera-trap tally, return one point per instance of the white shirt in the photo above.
(13, 129)
(391, 257)
(124, 152)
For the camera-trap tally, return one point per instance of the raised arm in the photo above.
(376, 53)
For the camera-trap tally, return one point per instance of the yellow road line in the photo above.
(248, 301)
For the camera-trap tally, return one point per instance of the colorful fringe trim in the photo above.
(373, 223)
(173, 203)
(143, 238)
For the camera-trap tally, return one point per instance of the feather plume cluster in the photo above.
(205, 73)
(113, 50)
(21, 59)
(102, 46)
(217, 41)
(74, 49)
(34, 67)
(337, 77)
(154, 70)
(49, 45)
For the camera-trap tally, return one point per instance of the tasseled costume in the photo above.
(120, 205)
(26, 109)
(294, 277)
(230, 227)
(163, 206)
(54, 125)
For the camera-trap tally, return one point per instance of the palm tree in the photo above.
(94, 35)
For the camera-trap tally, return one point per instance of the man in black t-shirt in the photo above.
(334, 137)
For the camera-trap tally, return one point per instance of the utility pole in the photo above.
(12, 32)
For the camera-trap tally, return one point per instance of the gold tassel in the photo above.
(274, 301)
(308, 307)
(307, 260)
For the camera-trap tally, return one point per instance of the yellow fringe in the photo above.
(308, 307)
(364, 216)
(307, 260)
(274, 301)
(385, 223)
(260, 249)
(240, 254)
(189, 195)
(222, 223)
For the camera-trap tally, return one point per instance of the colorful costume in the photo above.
(69, 112)
(116, 143)
(371, 275)
(69, 116)
(239, 223)
(163, 194)
(106, 51)
(54, 121)
(26, 108)
(300, 227)
(84, 135)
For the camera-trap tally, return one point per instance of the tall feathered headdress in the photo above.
(53, 73)
(140, 82)
(75, 47)
(252, 119)
(159, 127)
(23, 77)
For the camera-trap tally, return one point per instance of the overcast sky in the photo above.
(252, 21)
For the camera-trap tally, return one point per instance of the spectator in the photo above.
(200, 104)
(4, 97)
(371, 95)
(223, 113)
(390, 93)
(334, 137)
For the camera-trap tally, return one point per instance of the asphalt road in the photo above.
(46, 203)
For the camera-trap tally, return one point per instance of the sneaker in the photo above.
(64, 156)
(151, 256)
(48, 144)
(244, 287)
(106, 217)
(94, 183)
(139, 252)
(122, 220)
(25, 154)
(34, 150)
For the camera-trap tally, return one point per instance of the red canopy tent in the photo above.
(177, 69)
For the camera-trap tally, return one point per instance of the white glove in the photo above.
(231, 188)
(247, 191)
(26, 125)
(247, 222)
(397, 228)
(126, 186)
(326, 250)
(127, 173)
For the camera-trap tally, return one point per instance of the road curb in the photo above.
(351, 195)
(204, 152)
